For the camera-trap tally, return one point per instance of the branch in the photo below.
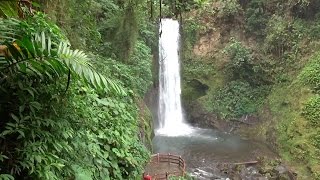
(68, 83)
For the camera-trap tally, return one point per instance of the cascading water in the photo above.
(170, 111)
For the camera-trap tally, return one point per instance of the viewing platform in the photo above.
(162, 166)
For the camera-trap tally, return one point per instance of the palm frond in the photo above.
(9, 8)
(46, 59)
(9, 29)
(78, 61)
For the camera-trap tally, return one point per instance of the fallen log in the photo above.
(245, 163)
(239, 163)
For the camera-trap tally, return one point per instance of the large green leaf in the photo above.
(45, 59)
(9, 8)
(8, 29)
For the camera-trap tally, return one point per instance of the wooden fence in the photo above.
(171, 160)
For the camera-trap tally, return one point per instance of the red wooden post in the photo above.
(147, 177)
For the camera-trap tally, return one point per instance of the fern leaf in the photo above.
(9, 8)
(38, 57)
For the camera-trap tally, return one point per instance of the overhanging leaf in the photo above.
(45, 61)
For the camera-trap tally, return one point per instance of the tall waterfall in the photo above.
(170, 112)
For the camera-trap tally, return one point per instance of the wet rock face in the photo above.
(239, 172)
(242, 172)
(198, 117)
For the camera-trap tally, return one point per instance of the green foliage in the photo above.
(256, 18)
(242, 66)
(239, 55)
(175, 8)
(135, 76)
(199, 69)
(191, 31)
(44, 59)
(283, 36)
(192, 90)
(237, 99)
(9, 9)
(13, 29)
(314, 32)
(295, 134)
(229, 9)
(122, 38)
(187, 177)
(107, 27)
(40, 22)
(73, 132)
(140, 68)
(304, 9)
(6, 177)
(78, 20)
(311, 111)
(54, 127)
(280, 36)
(310, 75)
(148, 35)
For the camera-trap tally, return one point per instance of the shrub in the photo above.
(136, 76)
(283, 36)
(60, 119)
(310, 75)
(57, 136)
(140, 68)
(315, 28)
(241, 65)
(237, 99)
(311, 111)
(199, 69)
(229, 9)
(256, 18)
(316, 140)
(238, 53)
(191, 30)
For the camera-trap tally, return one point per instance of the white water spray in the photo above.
(170, 111)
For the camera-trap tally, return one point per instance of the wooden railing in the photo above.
(170, 159)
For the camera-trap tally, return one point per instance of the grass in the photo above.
(286, 102)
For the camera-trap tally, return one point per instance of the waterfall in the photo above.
(171, 121)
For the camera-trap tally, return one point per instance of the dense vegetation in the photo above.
(73, 75)
(75, 114)
(261, 58)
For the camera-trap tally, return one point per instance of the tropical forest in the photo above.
(159, 89)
